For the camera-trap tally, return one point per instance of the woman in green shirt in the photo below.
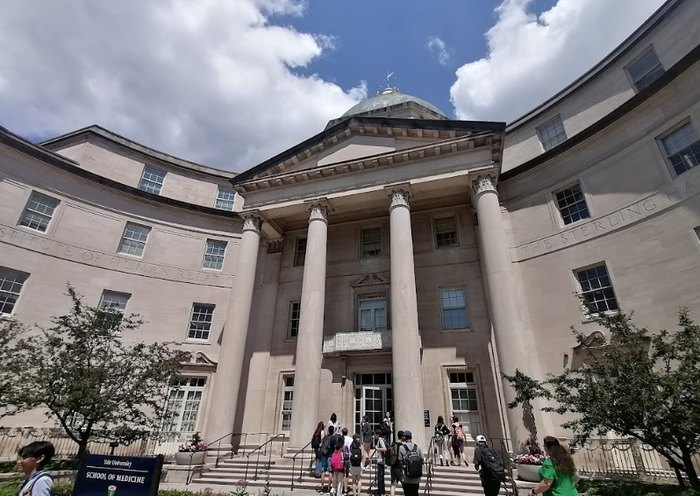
(558, 472)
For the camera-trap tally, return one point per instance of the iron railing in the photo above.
(263, 449)
(301, 452)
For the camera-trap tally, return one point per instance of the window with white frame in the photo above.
(113, 304)
(464, 400)
(151, 180)
(445, 232)
(372, 313)
(455, 313)
(371, 242)
(572, 204)
(214, 254)
(645, 69)
(299, 252)
(200, 322)
(294, 316)
(38, 212)
(11, 283)
(596, 288)
(287, 397)
(225, 198)
(182, 407)
(134, 239)
(551, 133)
(682, 147)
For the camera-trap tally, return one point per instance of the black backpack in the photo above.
(327, 446)
(355, 455)
(412, 463)
(391, 455)
(316, 441)
(384, 429)
(492, 465)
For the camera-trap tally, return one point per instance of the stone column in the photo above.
(222, 410)
(407, 376)
(309, 352)
(512, 336)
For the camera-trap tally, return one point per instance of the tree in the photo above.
(87, 376)
(641, 386)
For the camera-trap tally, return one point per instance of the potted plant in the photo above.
(191, 452)
(526, 391)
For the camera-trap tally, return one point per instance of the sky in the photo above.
(230, 83)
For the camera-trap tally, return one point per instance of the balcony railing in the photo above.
(344, 342)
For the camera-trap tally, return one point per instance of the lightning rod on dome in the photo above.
(388, 88)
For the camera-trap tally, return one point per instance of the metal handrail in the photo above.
(301, 467)
(258, 450)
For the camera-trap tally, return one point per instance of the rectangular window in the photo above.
(572, 204)
(224, 198)
(645, 69)
(134, 239)
(11, 282)
(287, 397)
(152, 180)
(294, 314)
(551, 133)
(596, 288)
(682, 147)
(214, 254)
(445, 232)
(113, 304)
(371, 242)
(200, 323)
(300, 252)
(454, 309)
(38, 212)
(372, 314)
(182, 407)
(464, 400)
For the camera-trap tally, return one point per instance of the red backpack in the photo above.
(337, 463)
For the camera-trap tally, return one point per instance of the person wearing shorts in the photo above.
(457, 444)
(396, 469)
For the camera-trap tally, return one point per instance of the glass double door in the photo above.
(373, 397)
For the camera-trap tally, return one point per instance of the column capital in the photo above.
(399, 196)
(252, 221)
(483, 183)
(319, 210)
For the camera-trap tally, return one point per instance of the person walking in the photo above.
(558, 472)
(458, 441)
(366, 433)
(380, 449)
(316, 439)
(338, 466)
(356, 455)
(490, 467)
(392, 460)
(441, 434)
(32, 459)
(346, 457)
(325, 452)
(411, 460)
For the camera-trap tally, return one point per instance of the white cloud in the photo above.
(531, 57)
(437, 45)
(207, 80)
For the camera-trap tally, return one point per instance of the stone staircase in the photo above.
(445, 481)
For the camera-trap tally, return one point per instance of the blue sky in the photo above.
(230, 83)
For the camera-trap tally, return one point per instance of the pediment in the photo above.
(371, 279)
(199, 359)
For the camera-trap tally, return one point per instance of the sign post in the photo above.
(107, 475)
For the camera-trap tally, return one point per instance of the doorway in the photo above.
(373, 397)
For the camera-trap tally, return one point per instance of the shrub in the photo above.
(627, 488)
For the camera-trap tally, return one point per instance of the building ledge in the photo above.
(357, 341)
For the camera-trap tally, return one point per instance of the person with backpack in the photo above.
(316, 439)
(346, 457)
(490, 466)
(442, 432)
(325, 452)
(338, 466)
(356, 456)
(366, 433)
(392, 460)
(32, 459)
(380, 449)
(458, 439)
(411, 460)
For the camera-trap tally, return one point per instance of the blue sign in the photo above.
(106, 475)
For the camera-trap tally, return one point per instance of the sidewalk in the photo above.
(202, 488)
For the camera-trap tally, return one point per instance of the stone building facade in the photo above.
(397, 260)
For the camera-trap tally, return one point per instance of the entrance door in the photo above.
(372, 398)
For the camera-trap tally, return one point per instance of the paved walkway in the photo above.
(200, 488)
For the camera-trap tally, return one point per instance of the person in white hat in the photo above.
(490, 466)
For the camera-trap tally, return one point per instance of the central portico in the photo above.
(356, 224)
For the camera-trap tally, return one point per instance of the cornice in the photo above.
(436, 149)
